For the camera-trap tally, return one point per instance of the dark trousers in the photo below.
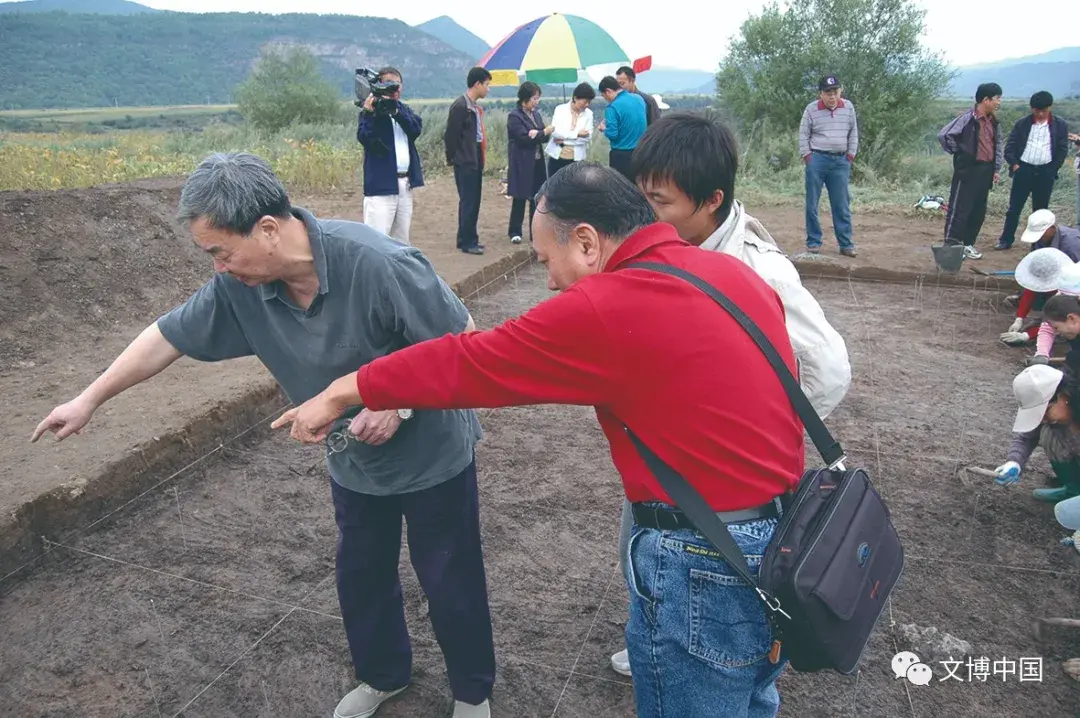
(620, 160)
(444, 545)
(517, 207)
(1036, 181)
(967, 202)
(470, 185)
(555, 165)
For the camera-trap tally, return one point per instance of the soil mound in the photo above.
(77, 264)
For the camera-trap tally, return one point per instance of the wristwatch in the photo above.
(404, 414)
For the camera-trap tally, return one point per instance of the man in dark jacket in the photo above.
(1034, 152)
(975, 142)
(466, 145)
(391, 162)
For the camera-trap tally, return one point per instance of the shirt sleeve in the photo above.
(205, 327)
(559, 352)
(804, 134)
(416, 303)
(1023, 445)
(853, 134)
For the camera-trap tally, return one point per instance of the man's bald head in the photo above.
(590, 193)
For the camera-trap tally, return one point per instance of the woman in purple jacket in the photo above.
(527, 171)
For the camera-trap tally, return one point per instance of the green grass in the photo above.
(327, 156)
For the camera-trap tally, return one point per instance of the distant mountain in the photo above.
(172, 58)
(1057, 71)
(455, 36)
(97, 7)
(675, 81)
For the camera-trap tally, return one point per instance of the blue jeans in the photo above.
(698, 637)
(832, 172)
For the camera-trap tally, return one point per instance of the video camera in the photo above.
(367, 83)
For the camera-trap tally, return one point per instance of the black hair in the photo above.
(592, 193)
(526, 92)
(1041, 100)
(609, 83)
(696, 154)
(628, 71)
(987, 90)
(584, 91)
(390, 71)
(1069, 386)
(476, 76)
(1060, 306)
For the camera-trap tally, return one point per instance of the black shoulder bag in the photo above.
(835, 556)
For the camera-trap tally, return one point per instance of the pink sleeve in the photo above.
(1045, 340)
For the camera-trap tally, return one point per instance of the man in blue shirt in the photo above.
(625, 121)
(391, 162)
(314, 299)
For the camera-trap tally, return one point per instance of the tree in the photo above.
(772, 69)
(284, 88)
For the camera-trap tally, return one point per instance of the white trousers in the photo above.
(391, 214)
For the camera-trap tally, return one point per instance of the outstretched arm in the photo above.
(150, 353)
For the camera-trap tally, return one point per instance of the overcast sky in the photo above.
(673, 33)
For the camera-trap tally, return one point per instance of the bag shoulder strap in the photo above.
(830, 448)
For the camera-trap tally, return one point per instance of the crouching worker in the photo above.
(1046, 418)
(1039, 273)
(1061, 318)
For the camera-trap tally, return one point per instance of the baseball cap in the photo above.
(1037, 224)
(1069, 279)
(1034, 388)
(1041, 270)
(829, 82)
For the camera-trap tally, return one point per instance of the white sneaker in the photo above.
(971, 253)
(363, 701)
(516, 239)
(468, 710)
(620, 662)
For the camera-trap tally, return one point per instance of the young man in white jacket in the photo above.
(686, 164)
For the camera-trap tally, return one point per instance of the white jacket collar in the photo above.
(737, 231)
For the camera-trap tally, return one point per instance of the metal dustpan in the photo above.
(948, 257)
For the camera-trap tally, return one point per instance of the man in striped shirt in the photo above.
(828, 141)
(1034, 152)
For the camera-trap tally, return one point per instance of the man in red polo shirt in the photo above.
(654, 353)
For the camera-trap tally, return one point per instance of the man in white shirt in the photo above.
(1034, 152)
(388, 131)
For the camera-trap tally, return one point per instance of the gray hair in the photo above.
(591, 193)
(232, 191)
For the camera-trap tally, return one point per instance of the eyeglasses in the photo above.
(337, 441)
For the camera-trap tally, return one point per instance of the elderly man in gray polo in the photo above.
(828, 143)
(314, 299)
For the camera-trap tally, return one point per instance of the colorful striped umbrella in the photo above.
(553, 49)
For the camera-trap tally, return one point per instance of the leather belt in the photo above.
(827, 152)
(669, 519)
(402, 175)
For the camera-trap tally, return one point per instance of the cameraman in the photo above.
(388, 130)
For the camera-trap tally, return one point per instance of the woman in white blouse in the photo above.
(573, 123)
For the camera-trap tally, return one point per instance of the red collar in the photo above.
(839, 104)
(642, 242)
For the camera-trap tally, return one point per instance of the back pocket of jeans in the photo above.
(728, 628)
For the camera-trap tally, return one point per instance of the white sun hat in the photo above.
(1069, 280)
(1037, 224)
(660, 102)
(1034, 388)
(1040, 271)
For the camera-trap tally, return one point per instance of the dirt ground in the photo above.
(83, 272)
(893, 238)
(213, 595)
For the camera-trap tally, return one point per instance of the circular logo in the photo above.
(864, 553)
